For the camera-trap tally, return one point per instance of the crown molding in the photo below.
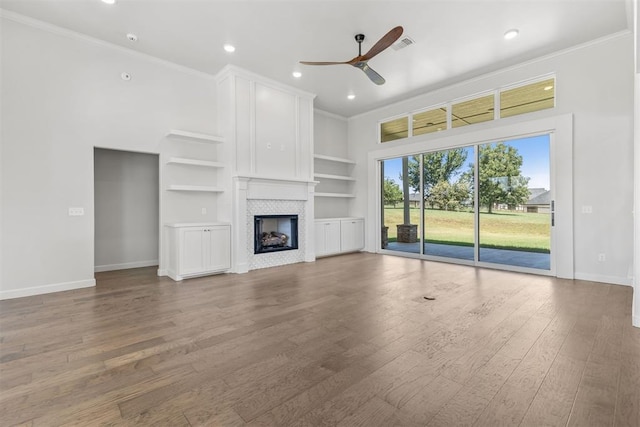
(54, 29)
(330, 115)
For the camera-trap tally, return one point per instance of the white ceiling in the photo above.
(454, 39)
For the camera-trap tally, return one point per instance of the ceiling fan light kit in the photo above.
(361, 60)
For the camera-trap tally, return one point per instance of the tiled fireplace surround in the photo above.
(271, 196)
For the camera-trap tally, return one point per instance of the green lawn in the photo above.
(501, 229)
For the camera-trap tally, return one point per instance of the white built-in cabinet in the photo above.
(338, 235)
(194, 162)
(197, 249)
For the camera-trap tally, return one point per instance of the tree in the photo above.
(392, 192)
(438, 166)
(500, 178)
(447, 196)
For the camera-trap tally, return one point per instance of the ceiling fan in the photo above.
(361, 60)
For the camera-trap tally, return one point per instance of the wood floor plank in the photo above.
(509, 405)
(627, 412)
(553, 401)
(464, 408)
(347, 340)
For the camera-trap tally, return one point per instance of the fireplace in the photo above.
(273, 233)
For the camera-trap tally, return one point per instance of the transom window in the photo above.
(509, 101)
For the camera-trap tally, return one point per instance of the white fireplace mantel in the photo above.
(268, 188)
(271, 192)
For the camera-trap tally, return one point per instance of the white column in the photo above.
(309, 229)
(239, 261)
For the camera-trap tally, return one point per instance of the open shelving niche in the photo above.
(344, 178)
(188, 136)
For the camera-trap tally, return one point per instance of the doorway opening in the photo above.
(126, 206)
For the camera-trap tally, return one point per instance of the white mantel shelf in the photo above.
(271, 178)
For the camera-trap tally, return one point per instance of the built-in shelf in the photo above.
(337, 177)
(343, 195)
(334, 159)
(201, 188)
(194, 162)
(344, 175)
(200, 137)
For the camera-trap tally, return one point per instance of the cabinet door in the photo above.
(327, 237)
(320, 240)
(219, 248)
(352, 235)
(332, 236)
(192, 247)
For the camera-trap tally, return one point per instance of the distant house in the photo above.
(539, 201)
(414, 200)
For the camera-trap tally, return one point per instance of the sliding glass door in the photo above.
(448, 208)
(485, 204)
(401, 204)
(515, 203)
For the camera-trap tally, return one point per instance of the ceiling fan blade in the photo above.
(321, 63)
(373, 76)
(386, 41)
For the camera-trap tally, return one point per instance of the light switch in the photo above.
(587, 209)
(76, 211)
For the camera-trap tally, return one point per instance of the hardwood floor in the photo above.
(345, 341)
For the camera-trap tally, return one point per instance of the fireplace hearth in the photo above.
(273, 233)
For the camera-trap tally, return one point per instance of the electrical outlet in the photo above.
(204, 211)
(602, 257)
(76, 211)
(587, 209)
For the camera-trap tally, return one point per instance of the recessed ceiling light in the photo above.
(109, 1)
(548, 87)
(229, 48)
(132, 37)
(511, 34)
(296, 74)
(351, 96)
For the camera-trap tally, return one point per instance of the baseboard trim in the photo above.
(125, 265)
(47, 289)
(161, 272)
(635, 321)
(613, 280)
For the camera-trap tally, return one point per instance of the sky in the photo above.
(535, 161)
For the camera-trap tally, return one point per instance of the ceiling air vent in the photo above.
(402, 43)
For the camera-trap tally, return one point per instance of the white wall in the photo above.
(126, 209)
(62, 95)
(595, 84)
(636, 292)
(330, 134)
